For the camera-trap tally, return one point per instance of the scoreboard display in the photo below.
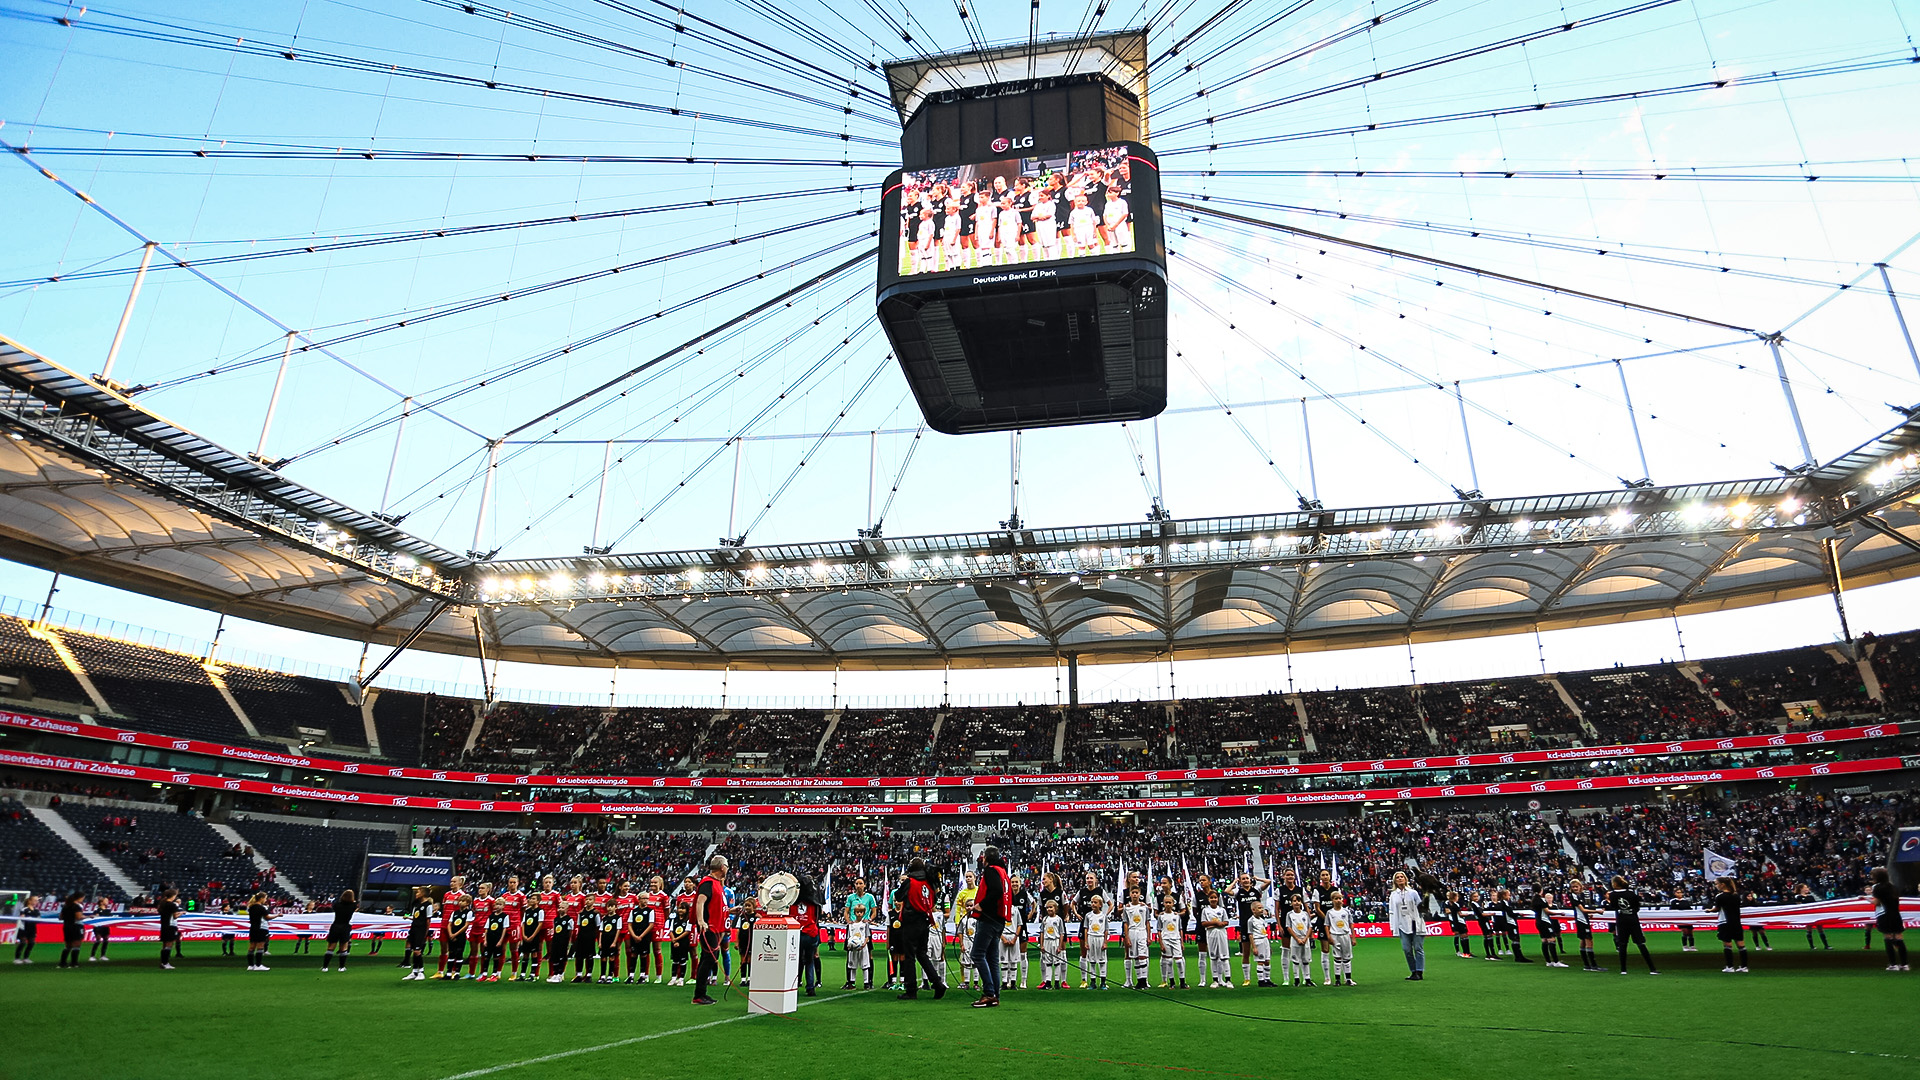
(1028, 291)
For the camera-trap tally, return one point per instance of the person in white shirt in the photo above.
(1093, 944)
(1213, 926)
(1260, 944)
(1298, 967)
(1085, 227)
(860, 949)
(1135, 918)
(1053, 949)
(1339, 918)
(969, 926)
(1010, 950)
(1407, 919)
(1173, 944)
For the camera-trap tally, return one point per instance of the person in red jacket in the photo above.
(709, 925)
(993, 908)
(913, 921)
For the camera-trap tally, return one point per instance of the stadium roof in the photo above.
(93, 485)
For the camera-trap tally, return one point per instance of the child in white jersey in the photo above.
(968, 927)
(1093, 944)
(1213, 929)
(1010, 951)
(1135, 920)
(1298, 968)
(1259, 931)
(1340, 934)
(1173, 944)
(1053, 948)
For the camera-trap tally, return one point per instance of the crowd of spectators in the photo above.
(518, 734)
(1220, 731)
(885, 742)
(1117, 736)
(1380, 721)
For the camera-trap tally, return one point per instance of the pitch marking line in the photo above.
(543, 1059)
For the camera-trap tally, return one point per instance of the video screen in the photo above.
(1000, 214)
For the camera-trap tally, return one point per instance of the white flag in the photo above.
(826, 890)
(1717, 865)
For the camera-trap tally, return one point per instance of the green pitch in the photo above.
(1799, 1014)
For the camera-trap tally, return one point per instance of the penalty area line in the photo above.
(615, 1045)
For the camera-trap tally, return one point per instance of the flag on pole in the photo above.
(1186, 883)
(1336, 868)
(1716, 865)
(826, 892)
(886, 891)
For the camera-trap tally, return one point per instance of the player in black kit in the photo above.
(1726, 903)
(1886, 911)
(1626, 924)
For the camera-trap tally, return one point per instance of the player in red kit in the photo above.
(513, 907)
(619, 927)
(637, 919)
(567, 920)
(482, 907)
(453, 938)
(656, 902)
(546, 912)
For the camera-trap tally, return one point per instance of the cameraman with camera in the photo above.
(913, 919)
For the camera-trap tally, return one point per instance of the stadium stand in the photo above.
(1120, 735)
(446, 721)
(647, 741)
(1643, 704)
(1217, 731)
(763, 740)
(280, 705)
(519, 734)
(1470, 717)
(1831, 842)
(990, 739)
(166, 692)
(37, 859)
(400, 719)
(884, 742)
(34, 662)
(320, 859)
(158, 846)
(1758, 686)
(1381, 721)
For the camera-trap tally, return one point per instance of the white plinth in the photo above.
(773, 985)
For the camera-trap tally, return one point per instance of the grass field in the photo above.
(1799, 1014)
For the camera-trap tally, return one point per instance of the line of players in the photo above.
(1037, 219)
(505, 935)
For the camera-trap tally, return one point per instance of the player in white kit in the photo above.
(1173, 944)
(1298, 968)
(950, 235)
(1053, 949)
(1213, 928)
(1135, 918)
(985, 214)
(1259, 931)
(1340, 934)
(1093, 944)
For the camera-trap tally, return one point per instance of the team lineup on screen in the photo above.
(1023, 210)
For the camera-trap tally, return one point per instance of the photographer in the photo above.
(993, 907)
(913, 919)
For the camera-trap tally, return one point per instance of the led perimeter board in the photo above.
(1028, 290)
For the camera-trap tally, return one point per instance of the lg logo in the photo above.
(1004, 144)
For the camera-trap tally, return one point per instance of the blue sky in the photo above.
(1546, 413)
